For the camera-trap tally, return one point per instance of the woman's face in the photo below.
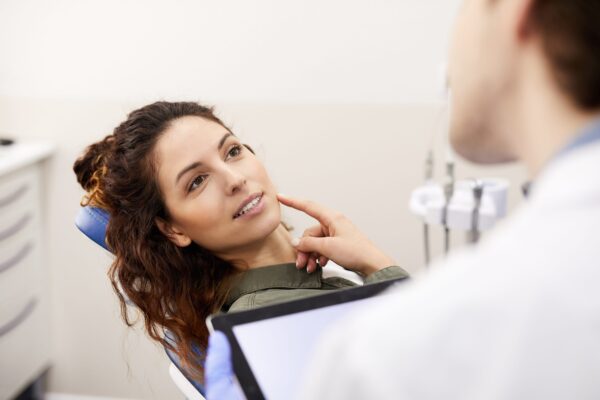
(217, 193)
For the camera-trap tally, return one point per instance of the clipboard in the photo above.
(271, 346)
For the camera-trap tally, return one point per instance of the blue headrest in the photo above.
(92, 221)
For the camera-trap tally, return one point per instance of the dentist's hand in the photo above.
(335, 238)
(220, 384)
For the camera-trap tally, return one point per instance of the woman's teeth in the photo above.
(248, 207)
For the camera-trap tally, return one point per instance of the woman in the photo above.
(195, 224)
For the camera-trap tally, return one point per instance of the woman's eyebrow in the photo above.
(196, 164)
(223, 139)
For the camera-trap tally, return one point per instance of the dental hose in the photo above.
(428, 178)
(475, 234)
(448, 192)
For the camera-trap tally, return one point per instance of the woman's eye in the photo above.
(196, 182)
(234, 151)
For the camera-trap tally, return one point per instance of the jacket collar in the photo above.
(571, 175)
(280, 276)
(569, 181)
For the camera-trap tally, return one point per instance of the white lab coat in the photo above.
(517, 317)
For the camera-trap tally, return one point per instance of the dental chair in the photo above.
(92, 221)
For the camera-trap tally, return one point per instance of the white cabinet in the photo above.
(24, 279)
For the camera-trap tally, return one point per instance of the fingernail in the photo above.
(282, 195)
(295, 242)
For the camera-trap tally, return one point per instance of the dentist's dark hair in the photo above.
(571, 39)
(173, 288)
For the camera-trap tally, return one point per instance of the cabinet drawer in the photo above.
(16, 311)
(17, 188)
(19, 258)
(24, 347)
(13, 225)
(13, 193)
(19, 283)
(19, 204)
(17, 226)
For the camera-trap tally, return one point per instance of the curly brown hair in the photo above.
(174, 288)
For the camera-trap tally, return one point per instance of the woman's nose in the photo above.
(234, 181)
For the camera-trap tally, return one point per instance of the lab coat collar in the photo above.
(588, 137)
(569, 180)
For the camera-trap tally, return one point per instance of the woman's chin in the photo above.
(262, 227)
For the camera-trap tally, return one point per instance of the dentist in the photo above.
(518, 316)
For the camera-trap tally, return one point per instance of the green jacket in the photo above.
(284, 282)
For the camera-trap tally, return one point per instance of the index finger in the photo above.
(317, 211)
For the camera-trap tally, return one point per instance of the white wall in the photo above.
(367, 51)
(336, 96)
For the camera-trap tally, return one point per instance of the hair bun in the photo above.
(90, 169)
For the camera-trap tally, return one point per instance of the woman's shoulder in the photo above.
(272, 296)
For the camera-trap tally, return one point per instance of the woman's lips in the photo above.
(253, 205)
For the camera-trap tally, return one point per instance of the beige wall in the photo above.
(361, 160)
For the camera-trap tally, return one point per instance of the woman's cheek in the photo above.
(199, 215)
(263, 176)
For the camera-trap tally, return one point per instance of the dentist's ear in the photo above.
(175, 235)
(523, 26)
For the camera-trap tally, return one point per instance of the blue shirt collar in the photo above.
(590, 134)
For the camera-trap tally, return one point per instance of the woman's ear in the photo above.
(172, 233)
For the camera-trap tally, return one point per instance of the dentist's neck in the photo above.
(544, 119)
(274, 249)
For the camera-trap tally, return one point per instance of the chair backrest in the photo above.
(169, 337)
(93, 221)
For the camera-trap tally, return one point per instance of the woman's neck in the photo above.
(274, 249)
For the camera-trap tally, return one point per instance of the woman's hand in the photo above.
(335, 238)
